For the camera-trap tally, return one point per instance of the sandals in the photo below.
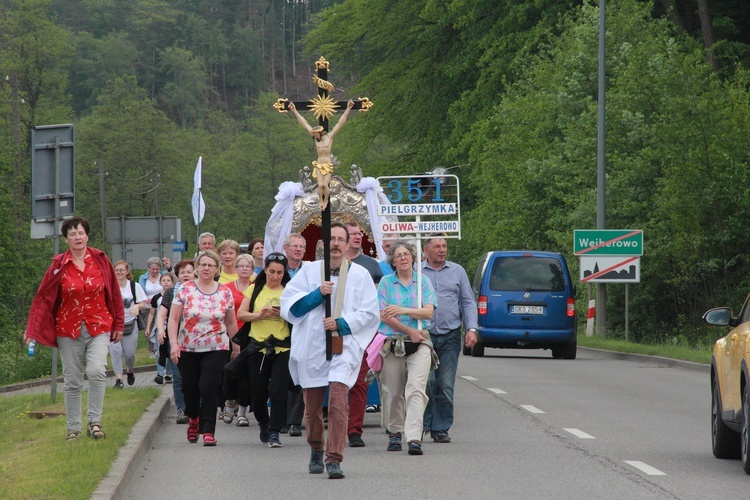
(242, 421)
(95, 431)
(73, 435)
(394, 442)
(208, 439)
(227, 414)
(192, 430)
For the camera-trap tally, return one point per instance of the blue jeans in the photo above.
(438, 416)
(170, 368)
(179, 399)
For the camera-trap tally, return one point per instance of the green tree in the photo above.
(34, 54)
(185, 93)
(243, 180)
(132, 138)
(98, 61)
(674, 156)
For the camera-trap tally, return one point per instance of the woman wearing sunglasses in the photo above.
(268, 368)
(203, 313)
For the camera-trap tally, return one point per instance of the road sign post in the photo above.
(610, 269)
(52, 191)
(426, 203)
(609, 256)
(608, 242)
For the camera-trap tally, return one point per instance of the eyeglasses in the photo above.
(402, 255)
(209, 266)
(296, 247)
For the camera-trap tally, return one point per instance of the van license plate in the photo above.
(527, 309)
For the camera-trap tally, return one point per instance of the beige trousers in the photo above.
(404, 380)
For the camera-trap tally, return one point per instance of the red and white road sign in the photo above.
(601, 269)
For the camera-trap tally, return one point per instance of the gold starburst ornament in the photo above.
(323, 107)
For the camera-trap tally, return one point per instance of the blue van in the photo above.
(525, 300)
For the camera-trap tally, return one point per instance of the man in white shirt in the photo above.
(355, 318)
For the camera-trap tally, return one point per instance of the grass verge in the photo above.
(664, 350)
(17, 366)
(37, 462)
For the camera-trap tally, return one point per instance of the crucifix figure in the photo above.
(323, 167)
(323, 107)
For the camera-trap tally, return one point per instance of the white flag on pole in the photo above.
(199, 207)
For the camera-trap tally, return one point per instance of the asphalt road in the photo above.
(526, 426)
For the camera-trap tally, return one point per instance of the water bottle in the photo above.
(32, 346)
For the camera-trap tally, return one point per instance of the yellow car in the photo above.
(730, 392)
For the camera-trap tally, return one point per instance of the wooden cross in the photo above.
(323, 107)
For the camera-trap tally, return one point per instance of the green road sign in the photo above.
(608, 242)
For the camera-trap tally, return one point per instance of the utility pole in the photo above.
(155, 177)
(102, 198)
(601, 181)
(16, 116)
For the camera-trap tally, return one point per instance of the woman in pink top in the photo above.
(203, 312)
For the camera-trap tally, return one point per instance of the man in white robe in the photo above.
(302, 305)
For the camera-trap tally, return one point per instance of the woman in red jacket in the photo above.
(78, 308)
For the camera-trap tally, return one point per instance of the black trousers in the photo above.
(269, 379)
(201, 378)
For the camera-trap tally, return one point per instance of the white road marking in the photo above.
(496, 391)
(651, 471)
(579, 433)
(467, 377)
(532, 409)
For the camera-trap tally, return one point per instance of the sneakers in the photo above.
(355, 441)
(372, 408)
(273, 440)
(181, 417)
(394, 442)
(295, 431)
(415, 448)
(119, 384)
(208, 439)
(334, 470)
(167, 379)
(242, 421)
(159, 379)
(131, 378)
(316, 462)
(442, 438)
(264, 435)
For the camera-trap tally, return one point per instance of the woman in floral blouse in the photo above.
(201, 347)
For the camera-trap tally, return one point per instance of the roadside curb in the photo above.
(645, 358)
(116, 483)
(30, 384)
